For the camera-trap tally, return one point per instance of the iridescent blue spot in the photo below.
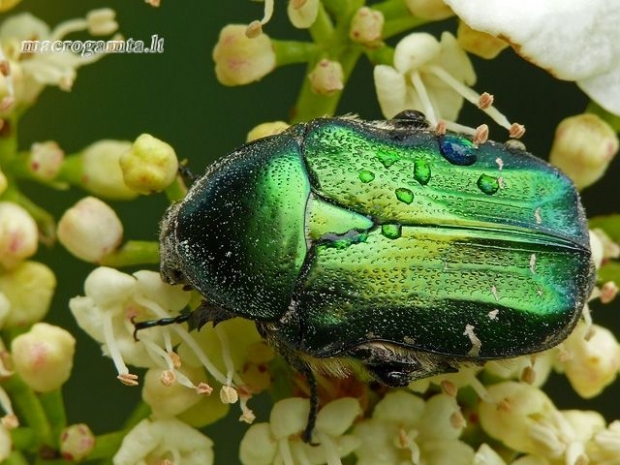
(457, 150)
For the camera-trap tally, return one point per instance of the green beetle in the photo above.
(384, 247)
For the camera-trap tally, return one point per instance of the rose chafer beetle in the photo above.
(384, 248)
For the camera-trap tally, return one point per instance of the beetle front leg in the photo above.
(305, 370)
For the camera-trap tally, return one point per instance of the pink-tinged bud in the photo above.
(19, 235)
(303, 13)
(101, 169)
(583, 147)
(240, 60)
(149, 166)
(327, 77)
(479, 43)
(46, 159)
(429, 9)
(76, 442)
(90, 230)
(29, 288)
(266, 129)
(366, 27)
(43, 357)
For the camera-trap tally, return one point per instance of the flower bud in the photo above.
(429, 9)
(366, 26)
(591, 364)
(6, 5)
(266, 130)
(76, 442)
(327, 77)
(150, 165)
(43, 357)
(303, 13)
(479, 43)
(101, 169)
(3, 182)
(18, 234)
(29, 289)
(583, 147)
(46, 159)
(240, 60)
(90, 230)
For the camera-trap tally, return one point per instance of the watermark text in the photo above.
(88, 48)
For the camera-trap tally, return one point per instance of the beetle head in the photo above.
(170, 263)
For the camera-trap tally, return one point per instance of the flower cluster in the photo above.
(191, 377)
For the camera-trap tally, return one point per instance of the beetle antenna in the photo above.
(160, 322)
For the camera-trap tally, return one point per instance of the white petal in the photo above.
(576, 40)
(414, 51)
(337, 416)
(391, 90)
(289, 416)
(257, 446)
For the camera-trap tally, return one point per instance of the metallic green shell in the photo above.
(339, 233)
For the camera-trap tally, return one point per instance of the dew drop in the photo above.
(488, 184)
(391, 231)
(366, 176)
(421, 171)
(457, 150)
(387, 158)
(404, 195)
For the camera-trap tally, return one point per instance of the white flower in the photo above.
(113, 299)
(303, 13)
(32, 70)
(327, 77)
(279, 440)
(432, 77)
(406, 430)
(266, 129)
(46, 159)
(164, 441)
(575, 41)
(19, 236)
(76, 442)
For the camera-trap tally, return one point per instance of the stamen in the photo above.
(228, 363)
(247, 415)
(154, 3)
(485, 101)
(67, 27)
(128, 379)
(10, 421)
(204, 388)
(167, 378)
(609, 291)
(229, 395)
(481, 135)
(516, 130)
(449, 388)
(419, 87)
(284, 451)
(468, 94)
(5, 402)
(113, 348)
(185, 336)
(440, 129)
(255, 28)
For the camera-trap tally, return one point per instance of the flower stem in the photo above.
(54, 407)
(289, 52)
(133, 253)
(16, 458)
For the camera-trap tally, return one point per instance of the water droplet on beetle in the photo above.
(457, 150)
(366, 176)
(404, 195)
(387, 159)
(488, 184)
(421, 171)
(391, 231)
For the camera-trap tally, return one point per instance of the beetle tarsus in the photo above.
(314, 404)
(160, 322)
(186, 174)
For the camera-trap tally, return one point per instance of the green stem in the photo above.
(290, 52)
(30, 409)
(323, 28)
(399, 25)
(8, 141)
(72, 169)
(610, 118)
(54, 407)
(23, 438)
(392, 9)
(16, 458)
(44, 220)
(177, 190)
(133, 253)
(140, 412)
(383, 55)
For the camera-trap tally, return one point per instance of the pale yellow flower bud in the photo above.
(429, 9)
(266, 130)
(76, 442)
(479, 43)
(169, 400)
(102, 174)
(29, 289)
(19, 235)
(327, 77)
(240, 60)
(592, 364)
(46, 159)
(90, 229)
(583, 147)
(366, 26)
(150, 166)
(303, 13)
(43, 357)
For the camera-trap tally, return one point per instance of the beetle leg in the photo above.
(186, 174)
(207, 312)
(305, 370)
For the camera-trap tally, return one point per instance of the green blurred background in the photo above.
(175, 97)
